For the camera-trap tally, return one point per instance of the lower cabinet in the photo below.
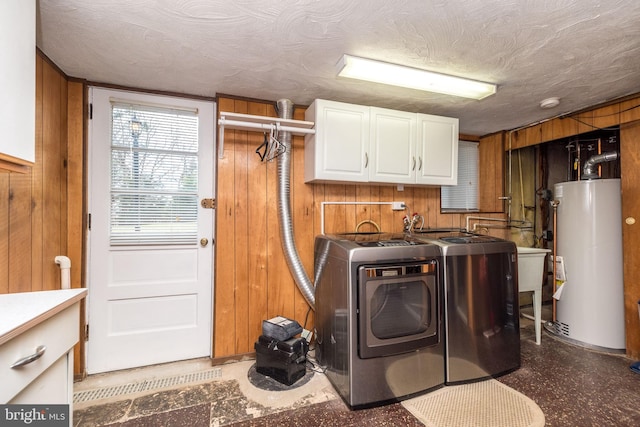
(53, 386)
(36, 366)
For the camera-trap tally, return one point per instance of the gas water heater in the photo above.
(590, 310)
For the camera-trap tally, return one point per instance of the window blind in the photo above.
(154, 175)
(464, 196)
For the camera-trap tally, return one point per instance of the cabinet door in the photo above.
(392, 152)
(437, 147)
(338, 151)
(17, 81)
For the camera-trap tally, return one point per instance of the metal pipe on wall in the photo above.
(285, 111)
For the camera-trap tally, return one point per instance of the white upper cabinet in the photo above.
(17, 82)
(338, 151)
(354, 143)
(392, 146)
(437, 147)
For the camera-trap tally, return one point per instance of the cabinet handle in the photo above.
(414, 164)
(366, 160)
(419, 163)
(31, 358)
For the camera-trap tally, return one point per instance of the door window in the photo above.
(154, 176)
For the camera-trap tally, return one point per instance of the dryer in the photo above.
(379, 315)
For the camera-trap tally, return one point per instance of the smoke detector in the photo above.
(550, 102)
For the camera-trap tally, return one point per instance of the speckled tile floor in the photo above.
(572, 385)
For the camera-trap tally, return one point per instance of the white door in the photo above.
(150, 241)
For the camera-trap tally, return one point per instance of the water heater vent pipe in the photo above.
(589, 168)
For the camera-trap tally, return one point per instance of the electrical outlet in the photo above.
(397, 206)
(307, 335)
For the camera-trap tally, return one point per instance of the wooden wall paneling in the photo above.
(335, 216)
(363, 212)
(20, 271)
(37, 173)
(606, 116)
(546, 131)
(51, 163)
(386, 194)
(630, 110)
(257, 231)
(242, 188)
(531, 135)
(4, 233)
(75, 204)
(64, 193)
(224, 311)
(584, 122)
(491, 159)
(564, 127)
(630, 176)
(75, 185)
(351, 209)
(432, 209)
(376, 210)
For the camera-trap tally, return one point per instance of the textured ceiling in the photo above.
(583, 51)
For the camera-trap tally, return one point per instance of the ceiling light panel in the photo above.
(413, 78)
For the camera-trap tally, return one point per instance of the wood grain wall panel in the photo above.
(4, 233)
(75, 182)
(546, 131)
(386, 194)
(491, 153)
(20, 267)
(52, 160)
(563, 127)
(225, 310)
(630, 110)
(256, 225)
(242, 174)
(606, 116)
(630, 165)
(75, 204)
(37, 182)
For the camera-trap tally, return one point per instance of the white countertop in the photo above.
(21, 311)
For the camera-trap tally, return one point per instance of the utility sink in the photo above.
(530, 277)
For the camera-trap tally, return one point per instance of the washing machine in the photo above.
(379, 316)
(481, 308)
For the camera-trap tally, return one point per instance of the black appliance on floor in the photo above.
(279, 354)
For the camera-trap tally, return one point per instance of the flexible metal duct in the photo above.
(589, 168)
(285, 111)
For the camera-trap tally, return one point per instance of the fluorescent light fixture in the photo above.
(413, 78)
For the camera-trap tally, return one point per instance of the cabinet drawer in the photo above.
(58, 333)
(52, 387)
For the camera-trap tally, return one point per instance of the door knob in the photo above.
(204, 242)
